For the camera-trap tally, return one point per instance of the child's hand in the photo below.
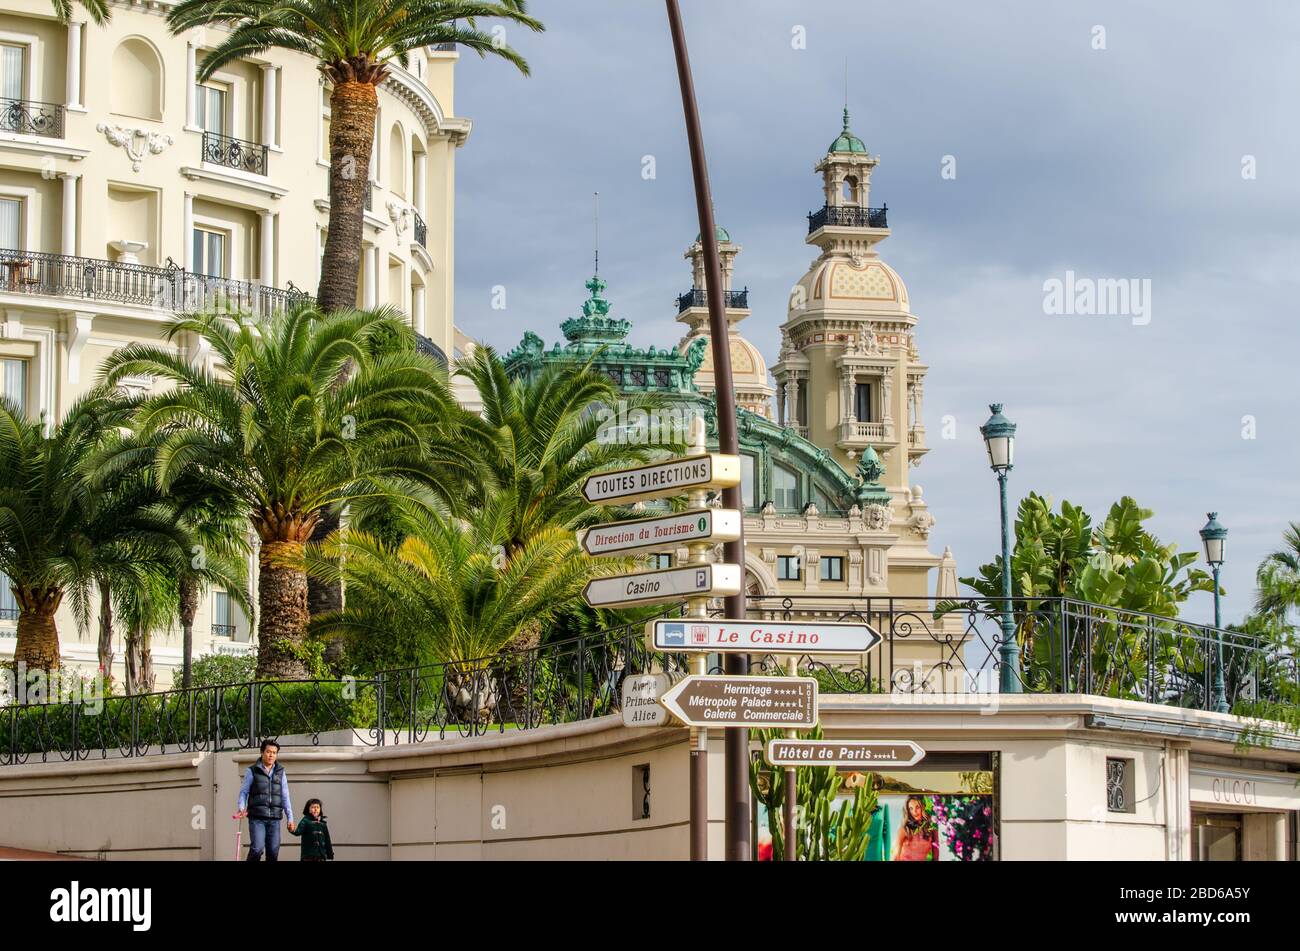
(290, 826)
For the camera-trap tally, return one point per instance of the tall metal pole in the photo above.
(791, 787)
(1009, 654)
(1220, 691)
(736, 786)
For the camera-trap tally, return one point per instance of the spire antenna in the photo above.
(596, 227)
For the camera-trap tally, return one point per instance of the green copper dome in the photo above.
(721, 234)
(847, 142)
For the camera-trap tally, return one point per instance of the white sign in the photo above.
(759, 637)
(660, 587)
(662, 479)
(668, 531)
(843, 752)
(641, 693)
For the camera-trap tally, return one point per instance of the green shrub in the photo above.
(214, 670)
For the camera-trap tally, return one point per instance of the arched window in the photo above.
(396, 162)
(137, 87)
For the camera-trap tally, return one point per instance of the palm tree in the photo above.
(279, 433)
(58, 533)
(542, 438)
(1278, 577)
(97, 10)
(354, 45)
(445, 589)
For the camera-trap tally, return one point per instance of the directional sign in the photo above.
(662, 479)
(760, 637)
(843, 753)
(665, 531)
(787, 703)
(659, 587)
(641, 693)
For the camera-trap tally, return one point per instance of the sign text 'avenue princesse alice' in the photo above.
(708, 700)
(664, 531)
(662, 479)
(759, 637)
(659, 587)
(843, 752)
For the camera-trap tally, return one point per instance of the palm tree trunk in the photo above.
(189, 606)
(282, 611)
(106, 634)
(324, 596)
(353, 106)
(132, 663)
(38, 634)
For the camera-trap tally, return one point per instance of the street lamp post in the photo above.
(1215, 539)
(1000, 440)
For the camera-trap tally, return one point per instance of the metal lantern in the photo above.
(1215, 537)
(999, 439)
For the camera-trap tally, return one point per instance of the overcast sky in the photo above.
(1124, 163)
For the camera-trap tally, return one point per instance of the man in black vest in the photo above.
(264, 799)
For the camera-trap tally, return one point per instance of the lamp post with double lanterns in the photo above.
(1000, 440)
(1215, 539)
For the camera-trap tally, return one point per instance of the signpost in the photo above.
(641, 706)
(710, 470)
(704, 700)
(791, 752)
(665, 531)
(719, 635)
(660, 587)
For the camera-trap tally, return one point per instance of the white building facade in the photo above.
(128, 191)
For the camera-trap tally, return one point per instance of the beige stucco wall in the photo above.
(568, 791)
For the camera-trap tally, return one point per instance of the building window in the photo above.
(11, 224)
(13, 383)
(210, 253)
(748, 487)
(210, 107)
(788, 568)
(221, 626)
(785, 489)
(832, 569)
(13, 71)
(661, 561)
(862, 402)
(8, 604)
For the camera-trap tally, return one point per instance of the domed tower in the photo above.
(848, 376)
(748, 368)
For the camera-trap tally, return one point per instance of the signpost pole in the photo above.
(699, 608)
(791, 783)
(737, 740)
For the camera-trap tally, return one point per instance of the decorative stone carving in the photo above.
(137, 143)
(400, 215)
(877, 518)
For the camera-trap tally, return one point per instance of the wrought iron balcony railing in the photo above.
(927, 647)
(223, 630)
(31, 118)
(848, 216)
(370, 195)
(170, 287)
(8, 614)
(698, 297)
(229, 152)
(421, 229)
